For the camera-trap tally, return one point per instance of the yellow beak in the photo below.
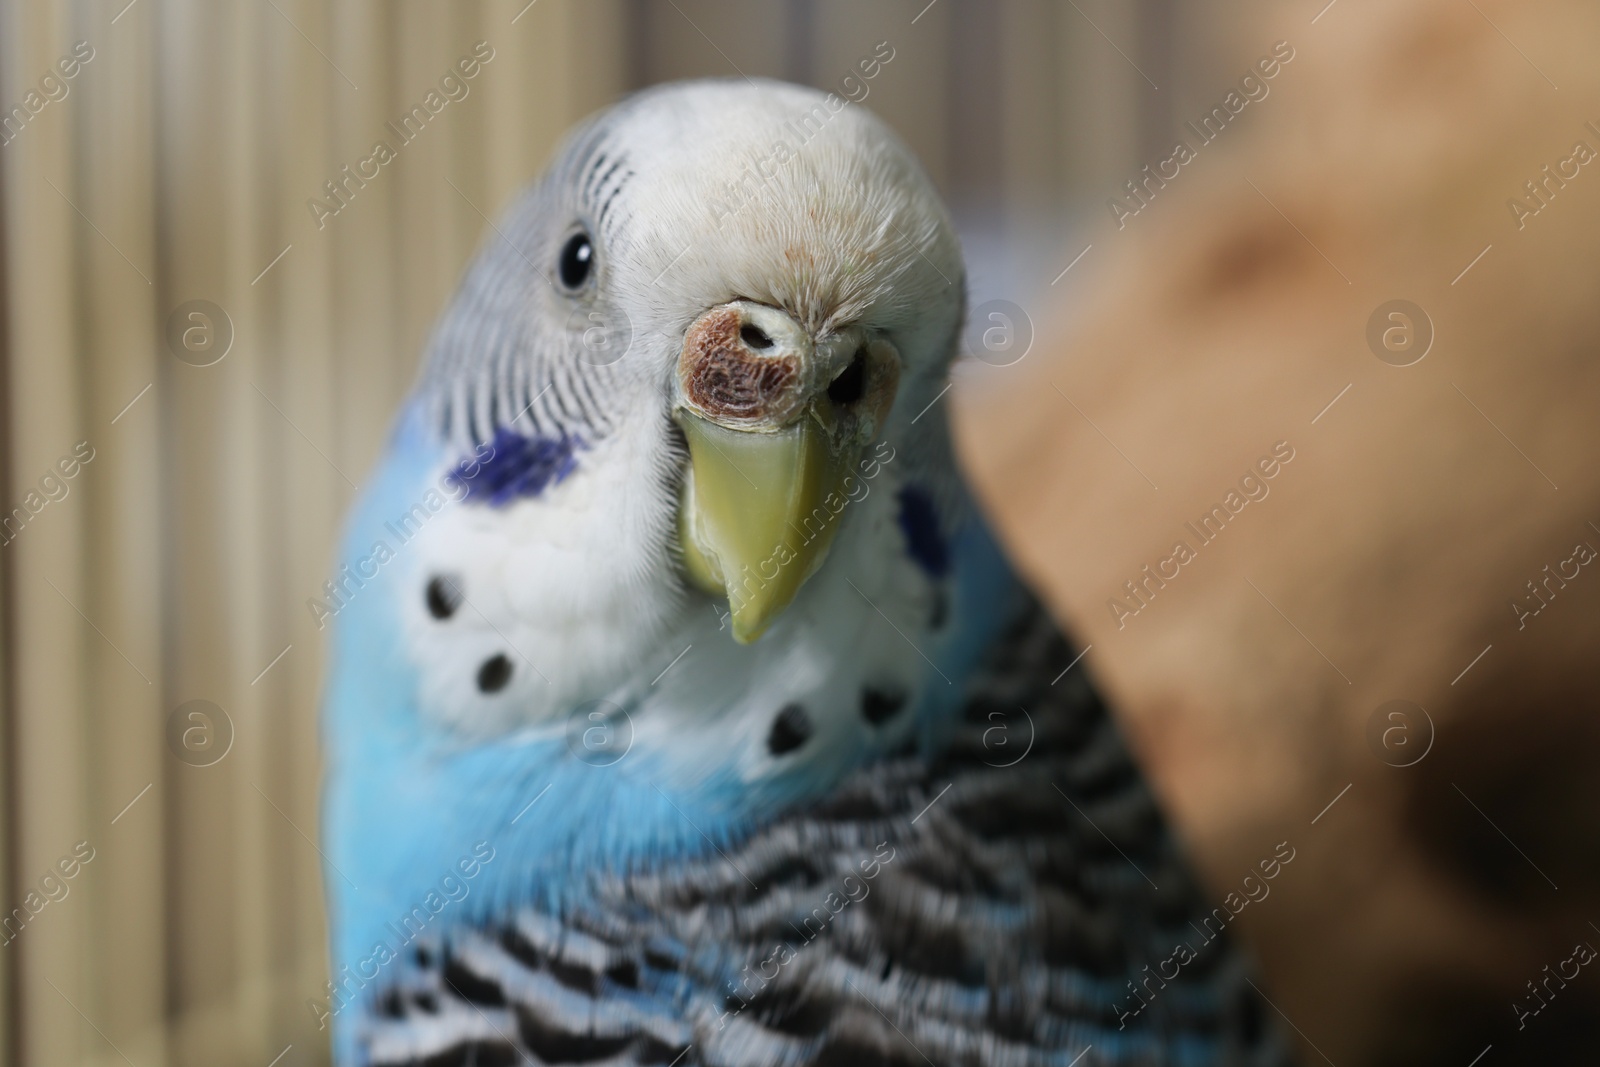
(758, 513)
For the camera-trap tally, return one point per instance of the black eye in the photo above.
(852, 381)
(577, 261)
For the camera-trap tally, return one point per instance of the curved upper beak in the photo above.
(775, 421)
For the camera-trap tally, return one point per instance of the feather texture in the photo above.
(966, 909)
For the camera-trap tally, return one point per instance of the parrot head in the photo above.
(672, 374)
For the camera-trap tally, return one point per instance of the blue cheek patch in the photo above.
(920, 523)
(513, 466)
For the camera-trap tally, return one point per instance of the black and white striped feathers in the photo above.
(997, 905)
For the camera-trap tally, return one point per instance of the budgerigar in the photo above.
(681, 709)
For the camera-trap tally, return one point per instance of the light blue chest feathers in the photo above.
(431, 820)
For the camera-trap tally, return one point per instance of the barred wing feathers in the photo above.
(959, 912)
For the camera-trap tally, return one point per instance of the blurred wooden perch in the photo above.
(1232, 313)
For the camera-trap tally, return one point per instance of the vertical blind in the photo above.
(216, 288)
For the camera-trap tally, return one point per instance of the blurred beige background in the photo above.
(176, 164)
(1425, 544)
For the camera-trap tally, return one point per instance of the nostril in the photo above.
(851, 382)
(755, 337)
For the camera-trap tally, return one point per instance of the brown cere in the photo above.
(723, 378)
